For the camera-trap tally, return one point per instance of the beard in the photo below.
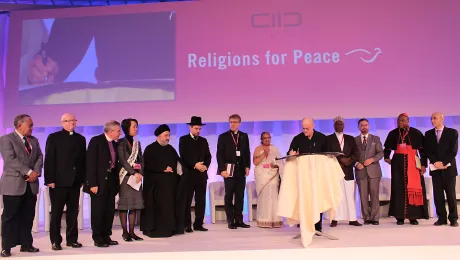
(163, 143)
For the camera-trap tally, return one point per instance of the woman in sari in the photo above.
(267, 175)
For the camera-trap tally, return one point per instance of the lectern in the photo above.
(310, 186)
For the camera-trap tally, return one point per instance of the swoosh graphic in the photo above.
(377, 53)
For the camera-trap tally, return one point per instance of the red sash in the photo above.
(414, 185)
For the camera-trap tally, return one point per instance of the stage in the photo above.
(387, 241)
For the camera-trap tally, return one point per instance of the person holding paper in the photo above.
(131, 162)
(408, 194)
(64, 175)
(158, 218)
(194, 151)
(309, 141)
(368, 172)
(267, 172)
(234, 161)
(340, 142)
(102, 182)
(441, 146)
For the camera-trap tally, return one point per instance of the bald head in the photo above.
(69, 122)
(307, 126)
(437, 120)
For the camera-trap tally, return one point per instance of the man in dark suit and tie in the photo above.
(441, 146)
(23, 161)
(196, 157)
(368, 172)
(102, 182)
(340, 142)
(64, 175)
(234, 161)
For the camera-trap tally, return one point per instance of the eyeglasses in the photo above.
(70, 121)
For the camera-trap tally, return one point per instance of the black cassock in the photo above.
(399, 202)
(158, 218)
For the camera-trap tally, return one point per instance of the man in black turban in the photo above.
(160, 183)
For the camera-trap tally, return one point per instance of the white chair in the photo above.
(429, 195)
(46, 195)
(37, 208)
(251, 194)
(216, 200)
(385, 195)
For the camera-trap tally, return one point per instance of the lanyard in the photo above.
(404, 136)
(235, 141)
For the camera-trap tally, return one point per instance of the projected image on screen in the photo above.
(94, 59)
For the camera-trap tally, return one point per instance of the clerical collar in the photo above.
(70, 133)
(235, 133)
(108, 139)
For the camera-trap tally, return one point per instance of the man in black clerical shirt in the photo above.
(196, 158)
(309, 141)
(234, 161)
(64, 175)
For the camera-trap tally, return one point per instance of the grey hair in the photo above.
(19, 119)
(109, 125)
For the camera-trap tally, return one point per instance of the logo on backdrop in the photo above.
(365, 55)
(276, 20)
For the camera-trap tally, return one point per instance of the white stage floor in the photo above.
(387, 241)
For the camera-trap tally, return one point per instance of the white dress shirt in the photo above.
(341, 140)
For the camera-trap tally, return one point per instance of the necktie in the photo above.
(195, 138)
(438, 135)
(364, 142)
(26, 144)
(112, 154)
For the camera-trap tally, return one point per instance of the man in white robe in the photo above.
(346, 144)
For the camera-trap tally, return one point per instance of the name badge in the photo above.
(266, 165)
(137, 166)
(238, 153)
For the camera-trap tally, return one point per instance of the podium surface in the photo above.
(309, 187)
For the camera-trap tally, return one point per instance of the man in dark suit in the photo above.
(346, 144)
(196, 157)
(441, 146)
(64, 175)
(368, 172)
(234, 161)
(102, 182)
(23, 161)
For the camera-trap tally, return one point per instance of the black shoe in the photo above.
(440, 223)
(74, 245)
(400, 222)
(413, 222)
(368, 222)
(100, 244)
(29, 249)
(242, 225)
(355, 223)
(6, 253)
(333, 223)
(375, 223)
(454, 224)
(127, 237)
(135, 237)
(200, 229)
(56, 247)
(111, 242)
(180, 232)
(231, 226)
(189, 230)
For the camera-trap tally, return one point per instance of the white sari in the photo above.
(267, 187)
